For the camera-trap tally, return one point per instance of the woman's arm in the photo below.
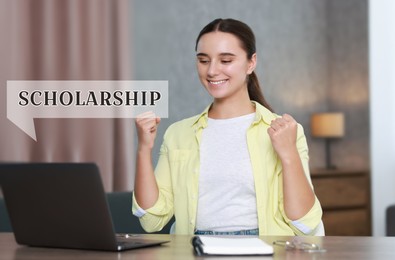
(298, 195)
(145, 187)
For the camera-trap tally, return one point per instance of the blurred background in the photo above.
(314, 57)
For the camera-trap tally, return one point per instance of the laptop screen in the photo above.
(57, 205)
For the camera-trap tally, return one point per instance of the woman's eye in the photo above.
(226, 61)
(203, 61)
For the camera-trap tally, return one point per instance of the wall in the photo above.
(382, 82)
(348, 88)
(312, 57)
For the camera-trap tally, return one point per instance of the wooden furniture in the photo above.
(345, 198)
(180, 248)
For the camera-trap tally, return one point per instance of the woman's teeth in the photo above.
(217, 82)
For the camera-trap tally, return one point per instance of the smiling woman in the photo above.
(237, 167)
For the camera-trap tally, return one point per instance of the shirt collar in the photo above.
(261, 114)
(201, 120)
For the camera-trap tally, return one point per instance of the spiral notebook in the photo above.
(210, 245)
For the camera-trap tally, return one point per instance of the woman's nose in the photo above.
(213, 69)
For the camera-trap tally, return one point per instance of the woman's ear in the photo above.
(251, 64)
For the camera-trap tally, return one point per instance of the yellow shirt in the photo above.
(177, 176)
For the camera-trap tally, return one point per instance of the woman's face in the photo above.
(223, 65)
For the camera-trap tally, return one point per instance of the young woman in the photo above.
(236, 168)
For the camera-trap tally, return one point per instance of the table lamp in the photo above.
(328, 126)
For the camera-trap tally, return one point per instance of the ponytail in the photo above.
(255, 92)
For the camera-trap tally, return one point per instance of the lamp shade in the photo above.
(327, 125)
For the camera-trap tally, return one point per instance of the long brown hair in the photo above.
(247, 38)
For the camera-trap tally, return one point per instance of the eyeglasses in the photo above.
(298, 245)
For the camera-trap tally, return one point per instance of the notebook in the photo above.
(231, 246)
(62, 205)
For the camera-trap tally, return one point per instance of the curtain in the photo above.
(68, 40)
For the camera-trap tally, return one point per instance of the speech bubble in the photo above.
(27, 100)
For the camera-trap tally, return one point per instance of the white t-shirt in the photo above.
(227, 200)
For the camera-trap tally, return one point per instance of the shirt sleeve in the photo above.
(156, 217)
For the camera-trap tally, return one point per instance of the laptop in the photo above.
(62, 205)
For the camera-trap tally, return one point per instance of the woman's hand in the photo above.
(146, 124)
(282, 132)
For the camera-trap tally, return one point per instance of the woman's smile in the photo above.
(217, 83)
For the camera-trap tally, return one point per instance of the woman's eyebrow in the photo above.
(201, 54)
(226, 54)
(221, 54)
